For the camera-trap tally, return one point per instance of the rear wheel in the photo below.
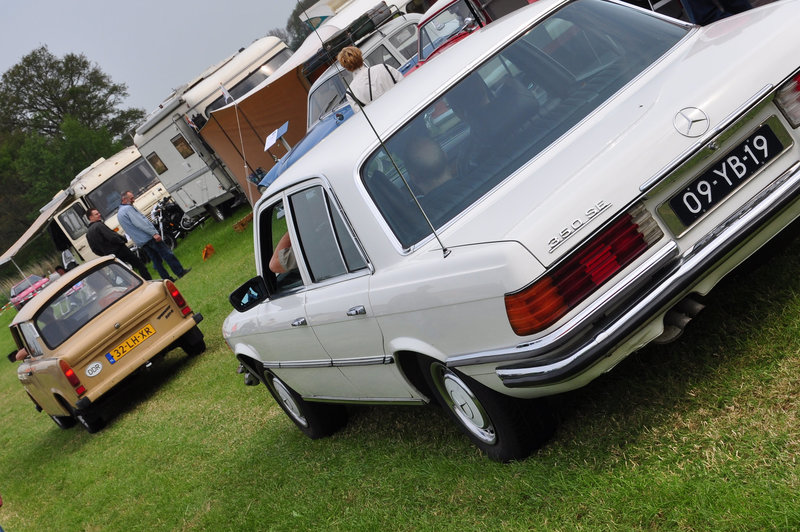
(503, 427)
(315, 420)
(63, 422)
(192, 342)
(89, 420)
(215, 212)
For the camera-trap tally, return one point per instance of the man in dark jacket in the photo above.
(103, 241)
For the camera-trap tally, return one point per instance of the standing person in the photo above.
(139, 228)
(704, 12)
(368, 82)
(104, 241)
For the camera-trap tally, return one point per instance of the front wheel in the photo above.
(499, 425)
(315, 420)
(169, 240)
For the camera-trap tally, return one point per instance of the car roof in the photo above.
(43, 298)
(395, 107)
(28, 279)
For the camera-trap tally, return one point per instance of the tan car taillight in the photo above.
(73, 379)
(178, 298)
(544, 302)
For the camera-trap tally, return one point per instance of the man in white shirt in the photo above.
(368, 82)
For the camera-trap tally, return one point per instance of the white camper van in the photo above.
(193, 175)
(100, 186)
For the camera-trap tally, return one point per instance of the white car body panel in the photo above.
(443, 296)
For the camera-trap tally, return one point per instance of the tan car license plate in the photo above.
(131, 343)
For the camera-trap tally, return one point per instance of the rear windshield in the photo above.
(509, 109)
(79, 303)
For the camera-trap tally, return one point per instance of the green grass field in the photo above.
(700, 434)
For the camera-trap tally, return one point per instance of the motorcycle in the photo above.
(172, 222)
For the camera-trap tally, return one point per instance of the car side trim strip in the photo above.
(330, 363)
(592, 346)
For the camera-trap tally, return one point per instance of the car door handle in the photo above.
(299, 321)
(355, 311)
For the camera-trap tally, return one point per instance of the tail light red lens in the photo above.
(72, 378)
(178, 298)
(544, 302)
(788, 100)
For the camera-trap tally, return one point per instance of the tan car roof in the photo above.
(43, 297)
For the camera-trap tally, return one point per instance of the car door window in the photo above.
(31, 338)
(381, 56)
(405, 40)
(279, 268)
(327, 245)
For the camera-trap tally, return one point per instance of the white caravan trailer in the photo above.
(101, 186)
(189, 169)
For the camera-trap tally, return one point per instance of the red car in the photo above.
(445, 23)
(23, 291)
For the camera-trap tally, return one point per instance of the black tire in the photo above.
(89, 420)
(188, 223)
(503, 427)
(63, 422)
(315, 420)
(170, 241)
(215, 212)
(192, 342)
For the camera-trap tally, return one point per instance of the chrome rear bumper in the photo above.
(636, 299)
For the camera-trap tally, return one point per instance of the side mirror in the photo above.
(249, 294)
(12, 356)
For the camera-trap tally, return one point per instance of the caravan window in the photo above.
(156, 162)
(182, 145)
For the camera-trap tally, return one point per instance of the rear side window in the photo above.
(508, 110)
(327, 245)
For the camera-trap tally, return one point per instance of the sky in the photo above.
(151, 46)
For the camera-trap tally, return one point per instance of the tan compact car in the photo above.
(90, 329)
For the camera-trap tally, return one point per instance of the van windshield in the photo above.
(137, 177)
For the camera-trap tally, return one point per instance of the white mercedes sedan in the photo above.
(514, 219)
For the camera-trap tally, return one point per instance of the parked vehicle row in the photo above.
(535, 204)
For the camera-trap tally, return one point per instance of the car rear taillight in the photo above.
(178, 298)
(788, 100)
(544, 302)
(69, 373)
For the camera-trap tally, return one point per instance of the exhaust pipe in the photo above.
(676, 319)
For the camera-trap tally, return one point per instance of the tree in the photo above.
(40, 91)
(297, 29)
(280, 33)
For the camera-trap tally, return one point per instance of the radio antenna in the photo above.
(333, 60)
